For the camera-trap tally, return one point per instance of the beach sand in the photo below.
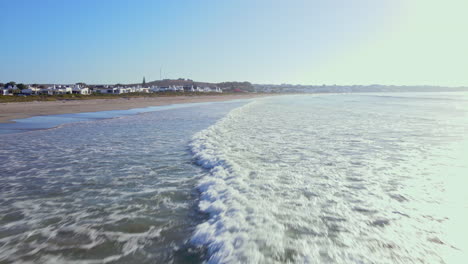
(10, 111)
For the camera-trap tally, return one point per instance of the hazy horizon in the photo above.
(299, 42)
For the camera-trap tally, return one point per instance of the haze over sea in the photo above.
(338, 178)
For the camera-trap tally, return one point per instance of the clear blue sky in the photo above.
(262, 41)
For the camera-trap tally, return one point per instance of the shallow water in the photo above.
(356, 178)
(110, 191)
(51, 121)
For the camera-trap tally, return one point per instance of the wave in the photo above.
(294, 180)
(224, 234)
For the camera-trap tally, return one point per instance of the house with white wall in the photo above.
(77, 89)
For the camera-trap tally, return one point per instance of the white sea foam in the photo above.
(326, 180)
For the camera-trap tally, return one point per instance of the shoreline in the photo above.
(20, 110)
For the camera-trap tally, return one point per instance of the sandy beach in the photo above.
(11, 111)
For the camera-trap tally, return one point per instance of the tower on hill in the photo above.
(144, 81)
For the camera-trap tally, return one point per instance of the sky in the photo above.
(344, 42)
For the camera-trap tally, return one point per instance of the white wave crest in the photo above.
(226, 233)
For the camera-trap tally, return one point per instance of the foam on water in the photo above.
(107, 191)
(336, 179)
(294, 179)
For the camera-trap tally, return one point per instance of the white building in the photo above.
(38, 90)
(63, 90)
(77, 89)
(117, 90)
(143, 90)
(59, 89)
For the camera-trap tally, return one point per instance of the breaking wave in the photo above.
(298, 180)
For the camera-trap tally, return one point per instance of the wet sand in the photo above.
(11, 111)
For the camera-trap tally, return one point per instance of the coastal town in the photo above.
(186, 86)
(26, 90)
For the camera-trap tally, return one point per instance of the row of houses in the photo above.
(156, 89)
(83, 90)
(121, 90)
(52, 90)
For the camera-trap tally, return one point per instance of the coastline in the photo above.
(19, 110)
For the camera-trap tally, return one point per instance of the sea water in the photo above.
(118, 190)
(346, 178)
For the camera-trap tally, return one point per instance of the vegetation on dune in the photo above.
(22, 86)
(233, 86)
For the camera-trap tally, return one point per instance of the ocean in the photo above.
(325, 178)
